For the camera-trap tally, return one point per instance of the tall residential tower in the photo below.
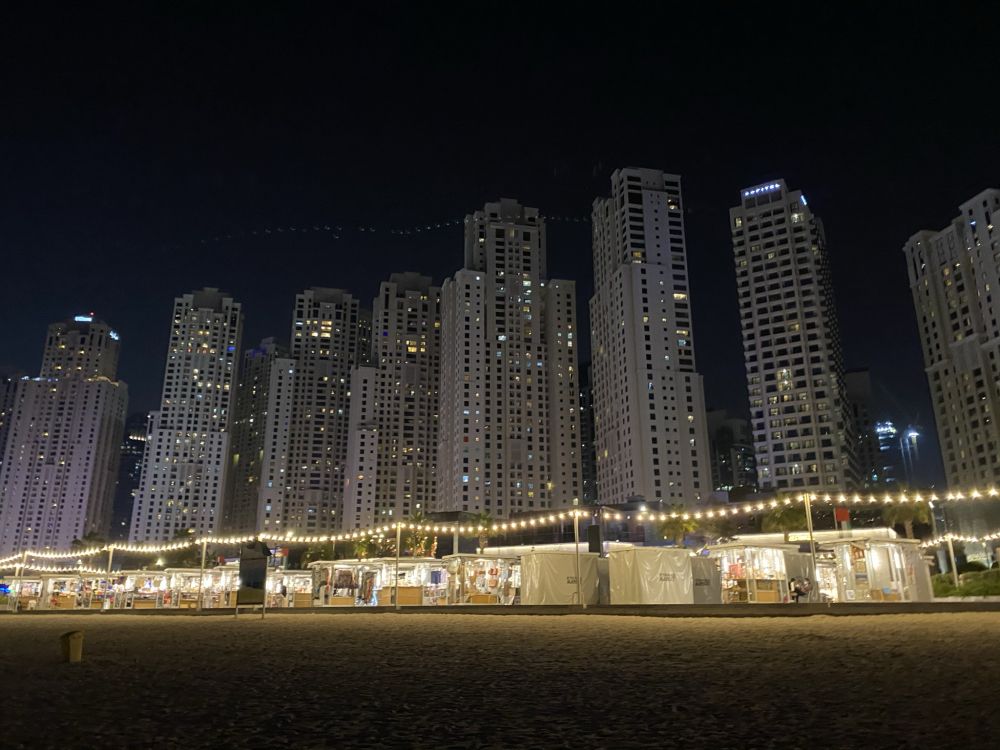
(802, 425)
(184, 469)
(955, 278)
(57, 477)
(393, 440)
(510, 438)
(649, 404)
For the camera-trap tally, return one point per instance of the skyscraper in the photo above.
(649, 404)
(733, 465)
(261, 438)
(184, 469)
(57, 477)
(803, 430)
(509, 425)
(393, 439)
(326, 346)
(8, 395)
(129, 474)
(954, 278)
(588, 450)
(867, 440)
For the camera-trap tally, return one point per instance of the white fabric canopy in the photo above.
(651, 575)
(550, 578)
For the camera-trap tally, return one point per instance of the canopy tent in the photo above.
(549, 577)
(651, 575)
(753, 574)
(707, 584)
(880, 570)
(479, 579)
(420, 581)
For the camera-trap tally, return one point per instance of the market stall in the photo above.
(880, 570)
(27, 590)
(475, 579)
(140, 589)
(549, 577)
(73, 591)
(754, 574)
(419, 580)
(290, 588)
(651, 575)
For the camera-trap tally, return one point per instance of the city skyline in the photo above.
(227, 155)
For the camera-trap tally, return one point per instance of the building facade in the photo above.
(393, 438)
(185, 465)
(734, 468)
(509, 426)
(129, 475)
(326, 344)
(262, 417)
(867, 441)
(649, 407)
(954, 278)
(58, 474)
(802, 427)
(588, 450)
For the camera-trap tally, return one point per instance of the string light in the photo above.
(12, 558)
(56, 555)
(511, 525)
(58, 569)
(993, 536)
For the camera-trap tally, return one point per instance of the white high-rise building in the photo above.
(649, 405)
(801, 420)
(955, 278)
(260, 441)
(393, 441)
(326, 344)
(184, 469)
(58, 474)
(510, 427)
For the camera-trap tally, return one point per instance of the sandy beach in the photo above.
(470, 681)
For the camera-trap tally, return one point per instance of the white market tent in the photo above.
(880, 570)
(549, 577)
(651, 575)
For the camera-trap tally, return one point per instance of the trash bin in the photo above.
(72, 646)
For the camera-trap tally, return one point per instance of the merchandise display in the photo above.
(474, 579)
(754, 574)
(878, 570)
(421, 581)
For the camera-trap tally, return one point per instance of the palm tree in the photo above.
(313, 552)
(483, 520)
(718, 527)
(418, 542)
(785, 518)
(675, 527)
(906, 514)
(362, 548)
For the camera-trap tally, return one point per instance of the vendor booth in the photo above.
(651, 575)
(73, 591)
(880, 570)
(550, 577)
(419, 581)
(25, 590)
(475, 579)
(753, 574)
(290, 588)
(140, 589)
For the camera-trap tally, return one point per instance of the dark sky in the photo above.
(140, 152)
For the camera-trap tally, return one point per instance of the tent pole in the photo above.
(201, 574)
(812, 542)
(576, 546)
(951, 557)
(395, 583)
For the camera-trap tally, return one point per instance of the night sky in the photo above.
(143, 155)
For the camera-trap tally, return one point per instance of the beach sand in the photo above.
(475, 681)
